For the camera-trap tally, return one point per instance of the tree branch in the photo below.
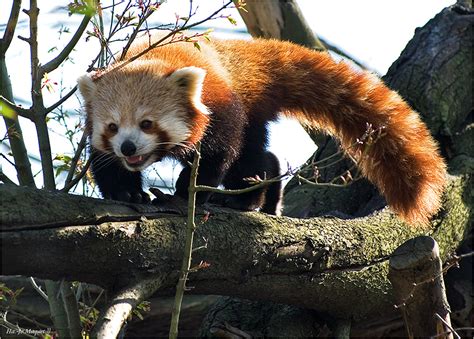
(173, 33)
(60, 101)
(188, 247)
(415, 272)
(251, 255)
(121, 306)
(71, 308)
(54, 63)
(69, 182)
(37, 107)
(5, 179)
(10, 29)
(23, 112)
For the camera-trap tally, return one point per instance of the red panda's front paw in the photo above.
(137, 197)
(160, 197)
(240, 203)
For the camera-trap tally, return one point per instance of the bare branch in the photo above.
(146, 14)
(61, 101)
(38, 289)
(188, 247)
(23, 112)
(73, 182)
(38, 108)
(75, 159)
(171, 34)
(120, 307)
(53, 64)
(72, 311)
(56, 308)
(5, 179)
(11, 25)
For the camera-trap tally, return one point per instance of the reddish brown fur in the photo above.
(404, 164)
(269, 76)
(216, 89)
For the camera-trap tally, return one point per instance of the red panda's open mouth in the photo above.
(137, 160)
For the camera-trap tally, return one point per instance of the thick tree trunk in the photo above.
(279, 19)
(416, 274)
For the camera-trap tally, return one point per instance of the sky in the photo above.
(372, 31)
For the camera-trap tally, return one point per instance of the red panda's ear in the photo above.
(191, 79)
(86, 85)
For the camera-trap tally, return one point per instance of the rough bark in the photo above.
(281, 20)
(415, 271)
(323, 264)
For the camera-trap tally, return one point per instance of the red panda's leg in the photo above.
(273, 194)
(210, 173)
(114, 181)
(253, 161)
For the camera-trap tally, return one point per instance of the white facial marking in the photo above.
(115, 115)
(97, 130)
(143, 142)
(174, 125)
(141, 111)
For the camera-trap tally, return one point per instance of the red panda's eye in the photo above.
(112, 127)
(146, 124)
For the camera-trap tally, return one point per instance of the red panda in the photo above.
(224, 95)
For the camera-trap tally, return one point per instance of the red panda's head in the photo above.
(139, 113)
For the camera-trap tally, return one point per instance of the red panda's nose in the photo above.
(128, 148)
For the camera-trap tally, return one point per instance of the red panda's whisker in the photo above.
(176, 144)
(103, 165)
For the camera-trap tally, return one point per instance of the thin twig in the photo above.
(54, 63)
(450, 262)
(33, 321)
(452, 331)
(93, 304)
(146, 14)
(188, 247)
(38, 289)
(171, 34)
(75, 159)
(8, 160)
(61, 100)
(15, 329)
(261, 184)
(6, 180)
(74, 181)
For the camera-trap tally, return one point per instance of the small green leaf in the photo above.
(196, 44)
(232, 20)
(6, 111)
(85, 7)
